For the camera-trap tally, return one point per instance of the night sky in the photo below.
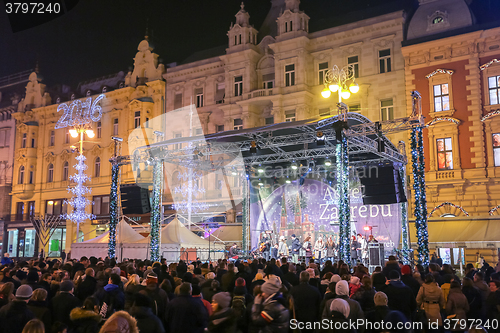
(98, 38)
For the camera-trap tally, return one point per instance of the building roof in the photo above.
(206, 54)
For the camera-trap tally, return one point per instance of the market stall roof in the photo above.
(175, 233)
(124, 234)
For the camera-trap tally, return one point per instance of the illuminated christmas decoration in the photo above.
(189, 190)
(491, 114)
(113, 210)
(418, 165)
(79, 202)
(440, 71)
(448, 204)
(493, 210)
(78, 113)
(494, 61)
(441, 119)
(155, 240)
(406, 251)
(343, 191)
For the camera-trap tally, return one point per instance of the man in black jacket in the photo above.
(158, 296)
(307, 300)
(147, 322)
(87, 287)
(295, 249)
(112, 296)
(185, 314)
(62, 304)
(16, 314)
(400, 296)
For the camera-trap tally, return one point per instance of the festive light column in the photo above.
(418, 164)
(113, 210)
(156, 210)
(336, 80)
(79, 202)
(405, 248)
(245, 218)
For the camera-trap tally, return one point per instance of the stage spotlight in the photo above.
(367, 228)
(288, 181)
(260, 182)
(260, 169)
(381, 145)
(234, 172)
(253, 147)
(294, 165)
(328, 162)
(320, 138)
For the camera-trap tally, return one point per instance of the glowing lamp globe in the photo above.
(90, 133)
(326, 93)
(354, 87)
(73, 132)
(345, 94)
(333, 87)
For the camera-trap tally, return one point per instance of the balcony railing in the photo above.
(260, 93)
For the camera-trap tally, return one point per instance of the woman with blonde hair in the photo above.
(34, 326)
(78, 278)
(38, 305)
(6, 293)
(132, 287)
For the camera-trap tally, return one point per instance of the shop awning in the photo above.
(454, 232)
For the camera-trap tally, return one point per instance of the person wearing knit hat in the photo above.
(240, 282)
(257, 281)
(222, 318)
(268, 313)
(16, 314)
(380, 299)
(62, 304)
(408, 279)
(342, 291)
(335, 278)
(381, 309)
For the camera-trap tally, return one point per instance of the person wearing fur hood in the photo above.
(87, 318)
(120, 322)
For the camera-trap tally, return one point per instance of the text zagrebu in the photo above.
(79, 113)
(329, 210)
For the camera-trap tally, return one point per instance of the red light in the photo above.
(367, 228)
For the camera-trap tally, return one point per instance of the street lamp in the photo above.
(341, 80)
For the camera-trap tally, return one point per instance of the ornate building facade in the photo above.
(451, 59)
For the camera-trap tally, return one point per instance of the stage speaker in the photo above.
(381, 185)
(375, 255)
(135, 199)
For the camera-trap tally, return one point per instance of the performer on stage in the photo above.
(319, 249)
(372, 239)
(283, 248)
(330, 249)
(233, 252)
(274, 252)
(364, 249)
(355, 246)
(295, 249)
(307, 246)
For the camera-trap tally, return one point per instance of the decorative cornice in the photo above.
(442, 119)
(494, 61)
(440, 71)
(490, 115)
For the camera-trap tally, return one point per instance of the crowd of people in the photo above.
(91, 295)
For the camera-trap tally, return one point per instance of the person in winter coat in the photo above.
(457, 305)
(493, 302)
(400, 296)
(120, 322)
(88, 286)
(339, 323)
(6, 259)
(62, 304)
(269, 313)
(319, 249)
(6, 293)
(159, 298)
(430, 296)
(330, 249)
(295, 249)
(87, 318)
(408, 279)
(378, 313)
(222, 319)
(355, 311)
(38, 305)
(307, 249)
(365, 294)
(15, 315)
(282, 248)
(390, 265)
(473, 298)
(185, 314)
(355, 245)
(111, 297)
(378, 281)
(147, 321)
(354, 285)
(483, 289)
(306, 300)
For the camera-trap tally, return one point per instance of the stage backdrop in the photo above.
(311, 210)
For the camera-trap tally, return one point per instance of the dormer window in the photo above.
(72, 96)
(437, 20)
(104, 89)
(58, 100)
(87, 94)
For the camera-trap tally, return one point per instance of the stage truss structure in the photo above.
(296, 141)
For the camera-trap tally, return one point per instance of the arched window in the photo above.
(97, 167)
(21, 175)
(50, 173)
(23, 142)
(65, 171)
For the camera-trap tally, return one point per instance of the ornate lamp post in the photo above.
(342, 81)
(79, 202)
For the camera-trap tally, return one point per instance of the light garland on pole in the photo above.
(405, 248)
(113, 210)
(155, 241)
(418, 165)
